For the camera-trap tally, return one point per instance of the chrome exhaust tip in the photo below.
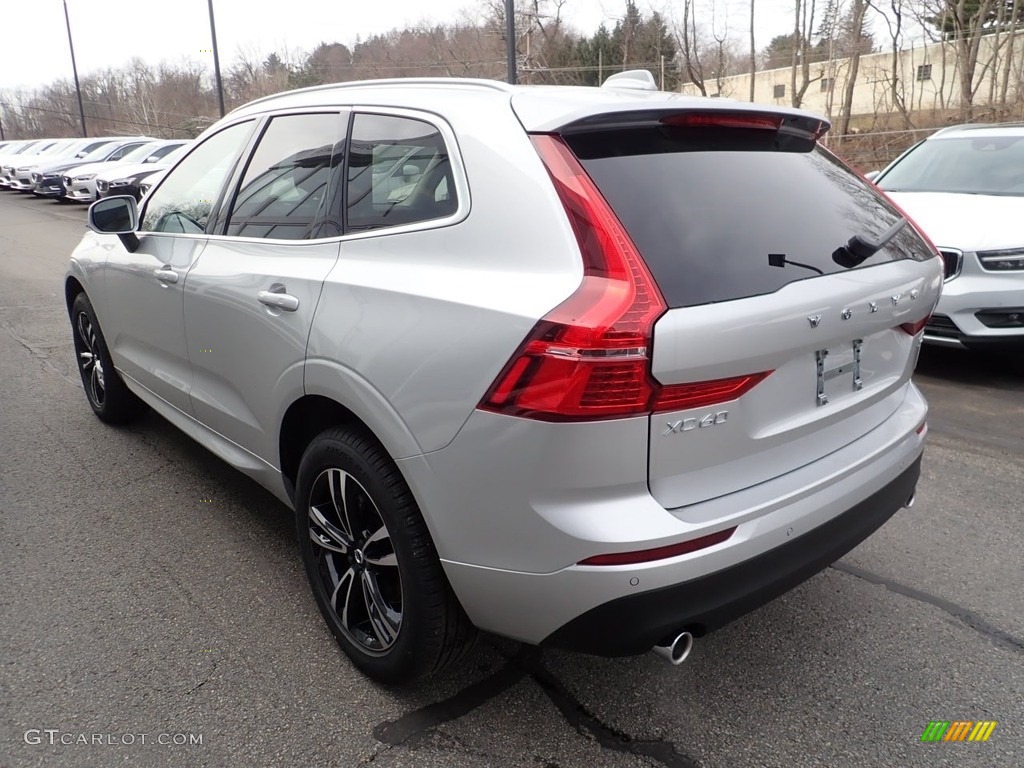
(675, 653)
(910, 502)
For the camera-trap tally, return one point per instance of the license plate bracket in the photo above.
(849, 366)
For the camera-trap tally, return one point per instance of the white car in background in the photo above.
(964, 186)
(79, 183)
(34, 152)
(124, 178)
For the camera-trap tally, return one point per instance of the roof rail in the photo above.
(492, 85)
(977, 126)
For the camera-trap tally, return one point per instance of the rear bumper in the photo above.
(706, 604)
(509, 591)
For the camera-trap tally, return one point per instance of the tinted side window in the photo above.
(722, 214)
(286, 183)
(399, 172)
(184, 200)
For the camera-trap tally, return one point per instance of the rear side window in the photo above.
(287, 182)
(726, 213)
(399, 172)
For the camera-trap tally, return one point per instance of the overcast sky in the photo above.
(110, 32)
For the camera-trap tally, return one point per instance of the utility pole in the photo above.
(216, 60)
(74, 69)
(510, 39)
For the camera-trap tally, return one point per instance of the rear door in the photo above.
(746, 229)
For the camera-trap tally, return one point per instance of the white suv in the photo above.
(594, 368)
(964, 186)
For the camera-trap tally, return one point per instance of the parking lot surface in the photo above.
(154, 612)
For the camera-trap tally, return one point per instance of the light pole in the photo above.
(74, 69)
(510, 39)
(216, 60)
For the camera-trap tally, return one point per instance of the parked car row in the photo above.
(84, 170)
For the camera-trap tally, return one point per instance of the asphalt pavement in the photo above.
(154, 612)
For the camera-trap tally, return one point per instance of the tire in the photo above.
(371, 563)
(106, 392)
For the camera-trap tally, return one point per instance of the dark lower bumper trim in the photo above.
(634, 624)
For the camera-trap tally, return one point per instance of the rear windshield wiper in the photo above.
(859, 249)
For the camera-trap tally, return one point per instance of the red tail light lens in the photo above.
(915, 328)
(723, 120)
(677, 397)
(660, 553)
(589, 358)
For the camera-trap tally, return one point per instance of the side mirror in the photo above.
(116, 216)
(871, 175)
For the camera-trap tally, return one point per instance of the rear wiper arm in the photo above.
(859, 249)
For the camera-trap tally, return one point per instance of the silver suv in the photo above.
(592, 368)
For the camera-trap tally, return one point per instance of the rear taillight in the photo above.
(915, 328)
(589, 358)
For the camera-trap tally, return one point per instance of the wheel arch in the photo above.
(310, 415)
(72, 287)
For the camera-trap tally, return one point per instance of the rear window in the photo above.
(723, 214)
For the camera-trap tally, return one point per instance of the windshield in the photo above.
(973, 165)
(172, 157)
(139, 154)
(100, 154)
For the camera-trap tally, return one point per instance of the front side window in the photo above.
(185, 199)
(399, 172)
(286, 183)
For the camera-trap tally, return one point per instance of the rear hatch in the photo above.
(746, 224)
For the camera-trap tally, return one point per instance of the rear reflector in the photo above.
(660, 553)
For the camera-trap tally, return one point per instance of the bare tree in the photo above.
(803, 27)
(857, 15)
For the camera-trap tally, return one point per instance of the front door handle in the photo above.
(278, 300)
(165, 275)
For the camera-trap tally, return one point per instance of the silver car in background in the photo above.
(592, 368)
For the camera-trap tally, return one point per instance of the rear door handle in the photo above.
(165, 275)
(278, 300)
